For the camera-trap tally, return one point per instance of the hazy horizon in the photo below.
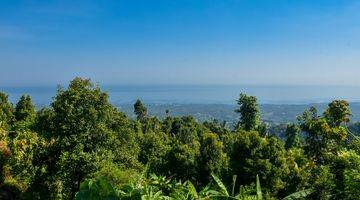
(201, 94)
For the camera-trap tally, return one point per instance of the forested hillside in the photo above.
(83, 147)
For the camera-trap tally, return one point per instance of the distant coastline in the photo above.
(279, 104)
(202, 94)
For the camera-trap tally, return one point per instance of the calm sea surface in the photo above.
(202, 94)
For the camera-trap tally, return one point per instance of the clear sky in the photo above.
(280, 42)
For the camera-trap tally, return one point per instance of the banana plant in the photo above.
(149, 193)
(100, 188)
(299, 195)
(154, 187)
(224, 194)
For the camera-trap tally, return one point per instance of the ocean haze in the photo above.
(202, 94)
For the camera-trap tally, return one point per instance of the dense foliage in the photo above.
(83, 147)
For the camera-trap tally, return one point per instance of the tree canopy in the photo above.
(249, 112)
(83, 147)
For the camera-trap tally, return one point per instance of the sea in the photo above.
(200, 94)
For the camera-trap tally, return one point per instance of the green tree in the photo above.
(253, 155)
(4, 153)
(8, 187)
(87, 131)
(347, 187)
(23, 146)
(213, 159)
(25, 109)
(216, 127)
(123, 141)
(322, 183)
(342, 177)
(25, 113)
(183, 158)
(153, 149)
(44, 124)
(300, 171)
(140, 110)
(82, 115)
(323, 137)
(80, 109)
(17, 149)
(153, 142)
(249, 112)
(6, 111)
(293, 138)
(338, 112)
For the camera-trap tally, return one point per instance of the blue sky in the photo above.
(281, 42)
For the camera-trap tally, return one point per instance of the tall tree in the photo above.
(25, 109)
(80, 109)
(81, 114)
(249, 112)
(6, 111)
(25, 114)
(324, 134)
(338, 112)
(87, 132)
(140, 110)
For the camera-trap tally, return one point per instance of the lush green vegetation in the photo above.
(83, 147)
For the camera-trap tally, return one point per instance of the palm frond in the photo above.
(220, 185)
(258, 188)
(299, 195)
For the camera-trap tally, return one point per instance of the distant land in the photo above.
(274, 114)
(279, 104)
